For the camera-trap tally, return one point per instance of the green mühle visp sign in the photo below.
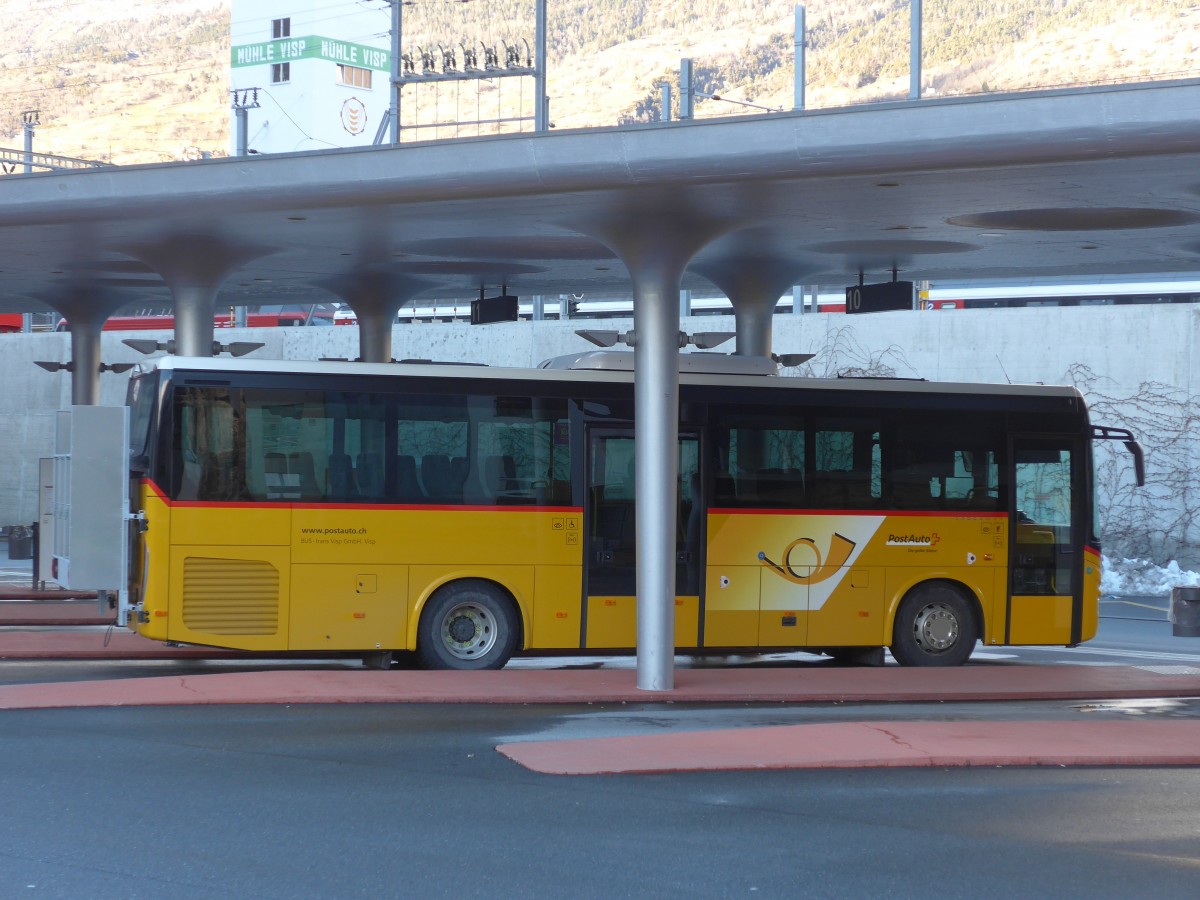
(311, 47)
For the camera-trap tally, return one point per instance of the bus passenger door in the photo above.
(1045, 591)
(611, 550)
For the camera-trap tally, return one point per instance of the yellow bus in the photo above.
(467, 513)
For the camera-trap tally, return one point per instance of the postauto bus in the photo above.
(468, 513)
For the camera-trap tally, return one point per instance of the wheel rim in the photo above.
(936, 628)
(468, 631)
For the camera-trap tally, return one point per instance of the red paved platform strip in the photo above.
(98, 643)
(1171, 742)
(729, 685)
(9, 591)
(56, 611)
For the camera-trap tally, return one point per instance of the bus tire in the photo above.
(934, 626)
(470, 624)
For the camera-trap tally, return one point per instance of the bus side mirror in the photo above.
(1139, 462)
(1105, 433)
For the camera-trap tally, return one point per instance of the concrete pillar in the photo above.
(376, 295)
(85, 310)
(195, 309)
(656, 249)
(85, 358)
(752, 322)
(753, 282)
(194, 266)
(375, 321)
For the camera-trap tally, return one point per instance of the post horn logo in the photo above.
(354, 116)
(840, 548)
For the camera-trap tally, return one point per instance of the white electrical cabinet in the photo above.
(91, 498)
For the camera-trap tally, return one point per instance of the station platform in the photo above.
(899, 742)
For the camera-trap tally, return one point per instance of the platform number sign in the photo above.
(890, 295)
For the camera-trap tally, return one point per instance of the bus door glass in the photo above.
(1046, 532)
(611, 550)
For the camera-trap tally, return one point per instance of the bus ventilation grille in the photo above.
(230, 596)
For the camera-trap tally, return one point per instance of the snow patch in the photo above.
(1142, 577)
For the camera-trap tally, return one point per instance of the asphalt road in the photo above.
(341, 801)
(413, 800)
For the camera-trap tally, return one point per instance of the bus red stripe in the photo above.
(940, 514)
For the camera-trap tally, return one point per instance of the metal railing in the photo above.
(14, 162)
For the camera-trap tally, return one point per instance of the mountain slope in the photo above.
(145, 81)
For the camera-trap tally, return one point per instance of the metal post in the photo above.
(37, 555)
(240, 115)
(656, 434)
(665, 93)
(29, 120)
(914, 64)
(244, 100)
(541, 114)
(687, 95)
(394, 110)
(685, 303)
(797, 299)
(798, 72)
(539, 308)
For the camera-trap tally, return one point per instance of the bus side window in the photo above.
(408, 487)
(847, 464)
(210, 442)
(433, 431)
(919, 475)
(759, 460)
(522, 451)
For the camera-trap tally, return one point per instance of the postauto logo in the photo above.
(913, 540)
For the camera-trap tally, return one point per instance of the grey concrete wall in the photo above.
(1138, 365)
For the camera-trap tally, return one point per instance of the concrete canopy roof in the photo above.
(1068, 185)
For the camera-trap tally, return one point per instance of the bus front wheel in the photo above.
(467, 625)
(934, 627)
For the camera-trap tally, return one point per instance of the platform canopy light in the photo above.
(234, 348)
(703, 340)
(70, 366)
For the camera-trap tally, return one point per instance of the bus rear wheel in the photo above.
(934, 627)
(467, 625)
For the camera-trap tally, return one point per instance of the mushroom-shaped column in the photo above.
(85, 309)
(656, 247)
(194, 266)
(753, 278)
(376, 295)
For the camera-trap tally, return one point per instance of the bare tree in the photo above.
(1160, 521)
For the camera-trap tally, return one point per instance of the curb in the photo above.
(852, 745)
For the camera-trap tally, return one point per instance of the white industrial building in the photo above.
(319, 72)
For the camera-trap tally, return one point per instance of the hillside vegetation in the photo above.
(145, 81)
